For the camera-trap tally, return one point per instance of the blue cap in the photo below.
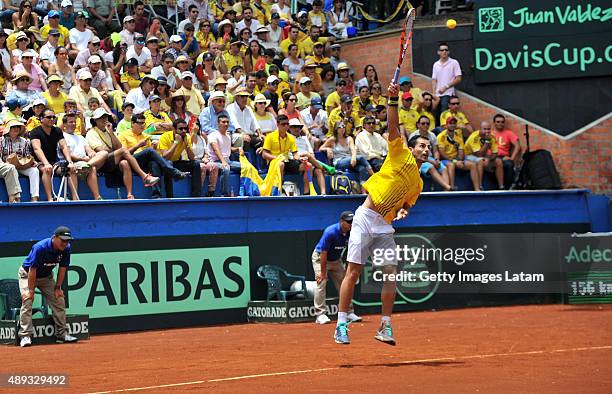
(316, 102)
(404, 80)
(14, 103)
(53, 14)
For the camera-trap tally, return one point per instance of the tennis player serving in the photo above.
(391, 193)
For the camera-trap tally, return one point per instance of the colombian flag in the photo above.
(251, 183)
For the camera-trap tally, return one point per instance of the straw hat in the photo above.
(21, 74)
(260, 98)
(179, 94)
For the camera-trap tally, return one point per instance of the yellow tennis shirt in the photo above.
(398, 181)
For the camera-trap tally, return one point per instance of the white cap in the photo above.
(94, 59)
(128, 18)
(85, 75)
(176, 38)
(295, 122)
(29, 52)
(272, 79)
(39, 102)
(217, 94)
(301, 13)
(66, 3)
(303, 80)
(262, 29)
(186, 74)
(98, 113)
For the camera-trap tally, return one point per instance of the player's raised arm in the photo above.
(392, 114)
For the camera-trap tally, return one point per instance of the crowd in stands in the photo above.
(84, 96)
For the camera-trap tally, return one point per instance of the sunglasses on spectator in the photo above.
(376, 87)
(182, 128)
(96, 44)
(369, 122)
(50, 117)
(224, 121)
(86, 80)
(27, 57)
(292, 100)
(454, 103)
(22, 39)
(141, 42)
(443, 49)
(425, 123)
(27, 6)
(195, 12)
(274, 83)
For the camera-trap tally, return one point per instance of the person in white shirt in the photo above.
(220, 149)
(93, 47)
(315, 118)
(165, 69)
(248, 21)
(305, 151)
(80, 35)
(275, 32)
(243, 118)
(192, 16)
(47, 51)
(445, 75)
(140, 96)
(129, 26)
(372, 145)
(141, 53)
(82, 155)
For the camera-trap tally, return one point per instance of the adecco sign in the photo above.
(547, 39)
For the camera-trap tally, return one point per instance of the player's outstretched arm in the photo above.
(392, 114)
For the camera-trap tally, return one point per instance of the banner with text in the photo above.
(548, 39)
(142, 282)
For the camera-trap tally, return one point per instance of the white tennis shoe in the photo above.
(322, 319)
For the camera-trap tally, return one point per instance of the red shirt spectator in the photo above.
(506, 139)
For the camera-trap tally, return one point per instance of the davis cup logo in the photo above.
(491, 19)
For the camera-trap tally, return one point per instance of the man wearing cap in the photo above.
(93, 48)
(344, 113)
(262, 35)
(327, 260)
(98, 81)
(209, 116)
(315, 119)
(335, 59)
(14, 108)
(333, 99)
(140, 53)
(128, 31)
(67, 16)
(37, 271)
(305, 153)
(47, 140)
(102, 12)
(80, 35)
(406, 86)
(82, 92)
(47, 51)
(54, 24)
(33, 69)
(361, 101)
(318, 56)
(407, 115)
(233, 56)
(275, 31)
(271, 91)
(371, 145)
(243, 118)
(21, 81)
(140, 96)
(12, 142)
(305, 95)
(189, 42)
(157, 118)
(293, 38)
(195, 100)
(175, 47)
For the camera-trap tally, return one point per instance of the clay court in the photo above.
(555, 348)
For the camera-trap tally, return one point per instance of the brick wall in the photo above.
(582, 161)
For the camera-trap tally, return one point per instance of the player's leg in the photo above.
(320, 290)
(347, 289)
(387, 296)
(26, 329)
(58, 308)
(336, 272)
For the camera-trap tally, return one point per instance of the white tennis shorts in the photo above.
(371, 237)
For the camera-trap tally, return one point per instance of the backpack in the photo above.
(340, 184)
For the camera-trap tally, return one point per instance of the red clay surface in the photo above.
(553, 348)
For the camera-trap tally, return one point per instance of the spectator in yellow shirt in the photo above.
(234, 57)
(427, 106)
(361, 102)
(293, 38)
(452, 151)
(316, 16)
(454, 110)
(481, 148)
(54, 18)
(406, 86)
(157, 118)
(54, 96)
(407, 116)
(345, 113)
(175, 145)
(314, 37)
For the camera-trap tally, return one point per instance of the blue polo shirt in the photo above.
(333, 242)
(44, 258)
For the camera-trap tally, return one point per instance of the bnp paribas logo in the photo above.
(491, 19)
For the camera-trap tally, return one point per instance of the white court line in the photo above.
(407, 362)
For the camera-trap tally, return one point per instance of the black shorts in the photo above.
(292, 166)
(109, 165)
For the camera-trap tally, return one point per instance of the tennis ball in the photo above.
(451, 23)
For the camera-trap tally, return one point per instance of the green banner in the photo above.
(144, 282)
(548, 39)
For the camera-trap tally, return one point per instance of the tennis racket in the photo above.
(405, 41)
